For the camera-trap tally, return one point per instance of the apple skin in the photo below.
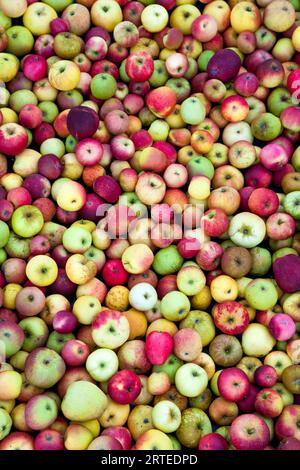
(213, 441)
(285, 271)
(49, 439)
(124, 387)
(286, 423)
(223, 312)
(159, 346)
(265, 376)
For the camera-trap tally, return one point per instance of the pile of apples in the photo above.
(149, 224)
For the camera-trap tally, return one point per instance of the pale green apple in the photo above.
(192, 111)
(175, 306)
(77, 239)
(83, 401)
(191, 380)
(27, 221)
(4, 233)
(167, 260)
(261, 294)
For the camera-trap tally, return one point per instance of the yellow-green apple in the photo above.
(83, 401)
(41, 270)
(257, 340)
(37, 18)
(191, 380)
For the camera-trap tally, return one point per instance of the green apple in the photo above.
(191, 380)
(36, 333)
(5, 423)
(159, 75)
(56, 341)
(5, 21)
(277, 244)
(49, 110)
(292, 204)
(192, 69)
(192, 111)
(53, 145)
(4, 233)
(175, 306)
(176, 444)
(103, 86)
(202, 322)
(20, 40)
(58, 5)
(190, 280)
(286, 396)
(194, 424)
(122, 71)
(214, 383)
(70, 144)
(257, 341)
(159, 130)
(27, 221)
(203, 60)
(296, 4)
(279, 99)
(77, 239)
(181, 87)
(167, 261)
(3, 255)
(19, 98)
(166, 416)
(261, 294)
(17, 247)
(261, 261)
(266, 127)
(200, 166)
(170, 366)
(83, 401)
(269, 423)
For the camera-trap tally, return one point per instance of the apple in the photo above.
(249, 432)
(191, 380)
(40, 412)
(166, 416)
(124, 387)
(194, 424)
(231, 317)
(213, 441)
(41, 270)
(257, 341)
(259, 287)
(268, 403)
(247, 229)
(39, 363)
(83, 401)
(110, 329)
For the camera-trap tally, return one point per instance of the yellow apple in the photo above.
(37, 18)
(64, 75)
(9, 66)
(106, 13)
(41, 270)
